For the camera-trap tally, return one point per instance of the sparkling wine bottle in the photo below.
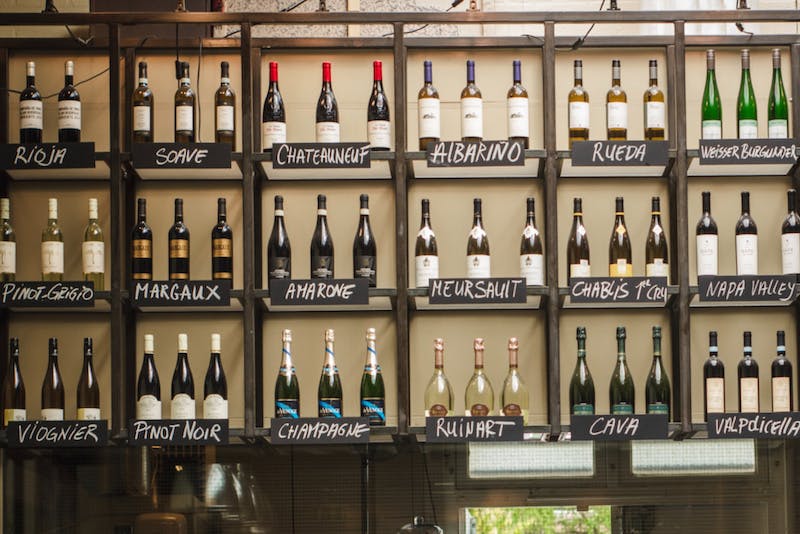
(287, 387)
(329, 392)
(657, 391)
(13, 387)
(581, 385)
(373, 392)
(479, 395)
(621, 392)
(514, 398)
(439, 392)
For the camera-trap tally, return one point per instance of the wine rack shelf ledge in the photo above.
(565, 301)
(381, 168)
(100, 171)
(566, 169)
(236, 305)
(533, 167)
(380, 299)
(193, 173)
(696, 170)
(534, 299)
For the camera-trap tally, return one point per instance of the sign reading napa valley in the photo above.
(476, 153)
(57, 434)
(166, 432)
(312, 431)
(182, 293)
(733, 151)
(181, 155)
(476, 291)
(750, 288)
(639, 289)
(618, 427)
(319, 292)
(473, 428)
(620, 153)
(321, 156)
(47, 156)
(754, 425)
(46, 294)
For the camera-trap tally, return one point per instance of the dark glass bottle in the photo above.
(656, 250)
(657, 391)
(379, 130)
(327, 110)
(365, 254)
(621, 392)
(141, 244)
(531, 259)
(184, 108)
(148, 388)
(273, 116)
(329, 392)
(52, 386)
(13, 387)
(143, 106)
(790, 236)
(222, 245)
(287, 387)
(478, 256)
(581, 385)
(746, 240)
(88, 391)
(30, 109)
(178, 245)
(69, 108)
(279, 250)
(782, 379)
(707, 238)
(321, 243)
(426, 251)
(182, 405)
(215, 386)
(225, 105)
(711, 111)
(749, 396)
(373, 392)
(713, 379)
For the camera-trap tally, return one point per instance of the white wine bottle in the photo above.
(479, 395)
(426, 252)
(8, 244)
(439, 393)
(52, 245)
(514, 398)
(471, 107)
(93, 250)
(478, 258)
(531, 259)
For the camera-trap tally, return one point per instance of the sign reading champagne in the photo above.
(314, 431)
(473, 428)
(178, 432)
(750, 288)
(746, 151)
(639, 289)
(618, 427)
(183, 293)
(181, 155)
(46, 294)
(754, 425)
(321, 156)
(476, 291)
(57, 434)
(476, 153)
(620, 153)
(319, 292)
(47, 156)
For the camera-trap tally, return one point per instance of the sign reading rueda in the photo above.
(181, 155)
(47, 156)
(307, 430)
(639, 289)
(618, 427)
(476, 153)
(476, 291)
(319, 292)
(46, 294)
(178, 432)
(473, 428)
(754, 425)
(750, 288)
(56, 434)
(183, 293)
(619, 153)
(321, 156)
(733, 151)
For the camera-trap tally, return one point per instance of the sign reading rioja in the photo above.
(181, 155)
(775, 288)
(461, 429)
(47, 156)
(598, 290)
(309, 430)
(46, 294)
(183, 293)
(621, 153)
(321, 156)
(618, 427)
(319, 292)
(476, 291)
(47, 434)
(178, 432)
(475, 153)
(733, 151)
(754, 425)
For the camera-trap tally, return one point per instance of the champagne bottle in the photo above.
(373, 392)
(178, 245)
(52, 386)
(778, 106)
(93, 250)
(426, 252)
(287, 387)
(531, 259)
(746, 240)
(321, 243)
(622, 395)
(8, 243)
(279, 250)
(273, 116)
(616, 107)
(713, 379)
(706, 239)
(655, 251)
(578, 107)
(184, 108)
(141, 244)
(143, 106)
(225, 104)
(479, 395)
(148, 388)
(428, 106)
(222, 245)
(619, 247)
(13, 387)
(52, 245)
(379, 131)
(478, 259)
(327, 110)
(517, 108)
(657, 392)
(790, 236)
(514, 398)
(365, 255)
(746, 112)
(711, 109)
(69, 108)
(215, 386)
(182, 405)
(329, 392)
(578, 244)
(439, 392)
(749, 396)
(654, 110)
(30, 109)
(471, 108)
(782, 382)
(88, 391)
(581, 385)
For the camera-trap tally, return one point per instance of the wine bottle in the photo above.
(88, 394)
(746, 111)
(578, 107)
(30, 109)
(143, 106)
(365, 255)
(225, 105)
(373, 392)
(69, 108)
(471, 108)
(439, 392)
(182, 405)
(215, 386)
(706, 239)
(531, 259)
(426, 252)
(222, 245)
(184, 108)
(479, 395)
(327, 110)
(478, 259)
(273, 116)
(428, 106)
(790, 236)
(578, 244)
(713, 379)
(329, 392)
(141, 244)
(379, 131)
(178, 245)
(711, 109)
(654, 111)
(148, 388)
(13, 387)
(514, 398)
(517, 108)
(93, 250)
(8, 243)
(655, 251)
(52, 245)
(621, 393)
(778, 106)
(619, 246)
(52, 386)
(581, 385)
(279, 250)
(616, 107)
(287, 387)
(782, 382)
(321, 243)
(746, 240)
(657, 392)
(749, 396)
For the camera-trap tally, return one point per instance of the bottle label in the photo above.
(8, 257)
(748, 394)
(518, 125)
(622, 409)
(471, 117)
(781, 394)
(178, 248)
(478, 266)
(748, 129)
(379, 134)
(790, 253)
(580, 270)
(747, 254)
(184, 118)
(778, 129)
(10, 414)
(148, 407)
(225, 119)
(654, 115)
(30, 114)
(327, 132)
(712, 129)
(706, 255)
(215, 407)
(477, 410)
(52, 414)
(715, 395)
(583, 409)
(322, 267)
(182, 407)
(88, 414)
(69, 115)
(364, 267)
(272, 132)
(427, 267)
(429, 118)
(437, 410)
(328, 408)
(579, 115)
(657, 268)
(141, 119)
(287, 408)
(222, 248)
(658, 407)
(531, 268)
(93, 257)
(621, 268)
(375, 409)
(52, 257)
(617, 115)
(142, 248)
(278, 268)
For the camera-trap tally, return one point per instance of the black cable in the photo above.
(293, 7)
(428, 479)
(415, 30)
(90, 78)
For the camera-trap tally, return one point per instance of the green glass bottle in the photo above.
(373, 392)
(329, 393)
(711, 112)
(621, 393)
(581, 387)
(657, 390)
(778, 107)
(287, 387)
(746, 112)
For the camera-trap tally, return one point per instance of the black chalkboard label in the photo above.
(751, 288)
(618, 427)
(57, 434)
(308, 430)
(319, 292)
(746, 151)
(619, 153)
(784, 425)
(476, 291)
(476, 154)
(47, 156)
(641, 289)
(167, 432)
(46, 294)
(183, 293)
(181, 155)
(478, 428)
(321, 156)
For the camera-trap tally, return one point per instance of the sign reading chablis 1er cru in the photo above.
(57, 434)
(639, 289)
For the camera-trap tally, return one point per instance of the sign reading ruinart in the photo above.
(473, 428)
(321, 156)
(46, 294)
(183, 293)
(47, 156)
(476, 153)
(310, 430)
(56, 434)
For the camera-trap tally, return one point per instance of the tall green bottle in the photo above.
(621, 393)
(657, 390)
(746, 112)
(581, 387)
(329, 393)
(373, 392)
(287, 387)
(711, 113)
(778, 107)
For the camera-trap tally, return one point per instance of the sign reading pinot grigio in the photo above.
(181, 155)
(321, 156)
(639, 289)
(476, 291)
(749, 288)
(57, 434)
(307, 430)
(473, 428)
(47, 156)
(46, 294)
(754, 425)
(319, 292)
(476, 153)
(183, 293)
(746, 151)
(618, 427)
(167, 432)
(620, 153)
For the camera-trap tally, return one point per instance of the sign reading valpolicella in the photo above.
(620, 153)
(47, 156)
(618, 427)
(181, 155)
(776, 288)
(183, 293)
(476, 291)
(56, 434)
(609, 290)
(178, 432)
(307, 430)
(733, 151)
(474, 428)
(46, 294)
(476, 153)
(754, 425)
(319, 292)
(321, 156)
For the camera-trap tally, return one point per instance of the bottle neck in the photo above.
(470, 73)
(713, 352)
(656, 218)
(286, 355)
(653, 75)
(142, 75)
(517, 74)
(656, 347)
(438, 360)
(513, 358)
(68, 79)
(530, 220)
(792, 202)
(273, 74)
(329, 357)
(372, 355)
(221, 214)
(216, 360)
(748, 352)
(149, 360)
(615, 76)
(30, 81)
(745, 205)
(707, 204)
(428, 74)
(426, 220)
(578, 75)
(621, 348)
(178, 214)
(581, 348)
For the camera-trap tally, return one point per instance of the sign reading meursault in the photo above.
(46, 294)
(319, 292)
(618, 427)
(183, 293)
(178, 432)
(321, 156)
(621, 153)
(310, 430)
(476, 291)
(181, 155)
(461, 429)
(733, 151)
(778, 288)
(47, 156)
(629, 289)
(754, 425)
(56, 434)
(475, 153)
